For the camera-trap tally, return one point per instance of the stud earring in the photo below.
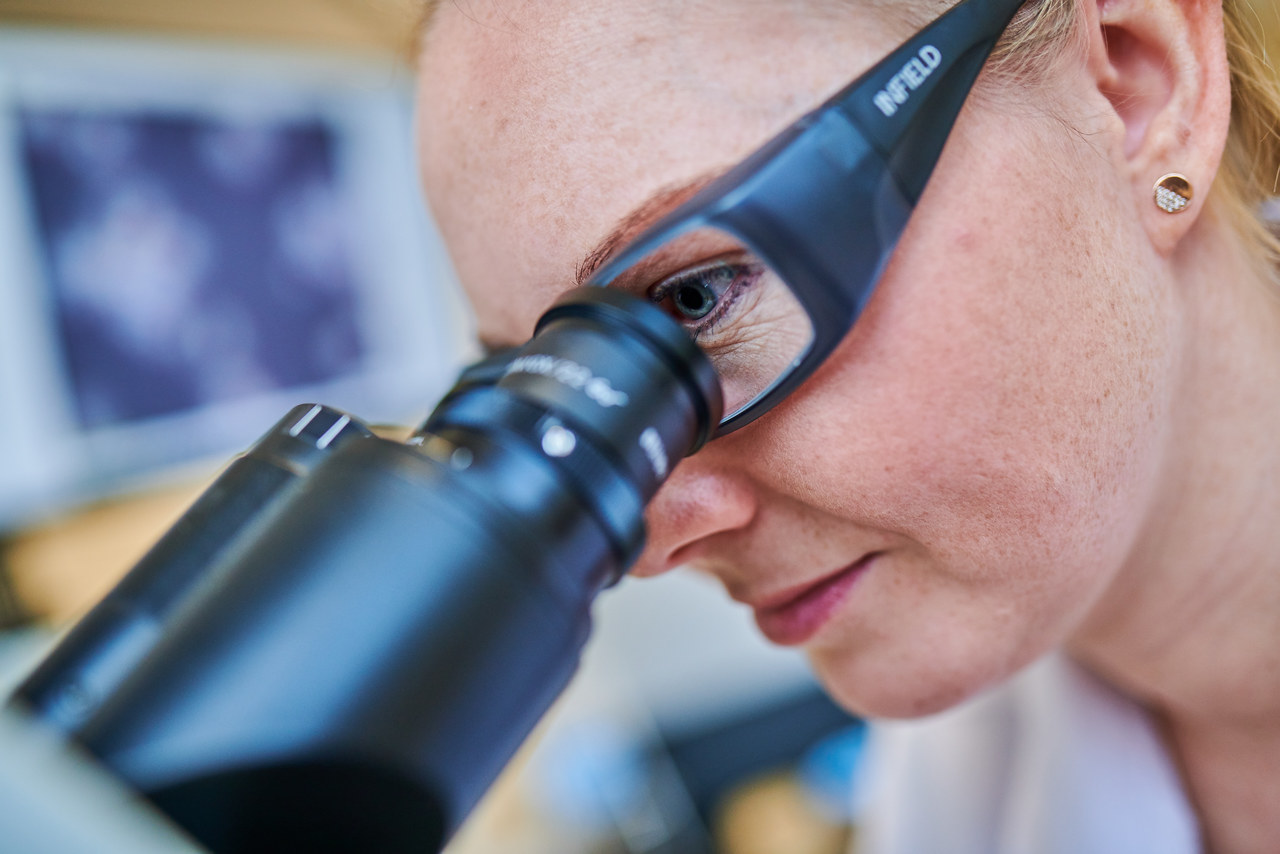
(1173, 193)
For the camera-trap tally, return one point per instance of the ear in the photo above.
(1162, 65)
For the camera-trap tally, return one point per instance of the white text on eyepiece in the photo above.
(571, 374)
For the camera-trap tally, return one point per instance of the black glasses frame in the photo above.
(825, 201)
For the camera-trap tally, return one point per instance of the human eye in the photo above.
(707, 296)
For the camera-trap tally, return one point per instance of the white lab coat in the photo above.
(1052, 762)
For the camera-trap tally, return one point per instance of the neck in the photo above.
(1191, 625)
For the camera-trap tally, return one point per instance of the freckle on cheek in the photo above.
(965, 241)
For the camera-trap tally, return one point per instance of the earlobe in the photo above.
(1161, 65)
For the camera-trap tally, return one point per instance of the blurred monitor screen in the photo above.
(197, 239)
(190, 261)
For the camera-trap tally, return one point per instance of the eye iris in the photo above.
(695, 299)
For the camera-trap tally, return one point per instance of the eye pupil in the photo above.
(695, 300)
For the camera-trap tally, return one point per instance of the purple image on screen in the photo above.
(191, 261)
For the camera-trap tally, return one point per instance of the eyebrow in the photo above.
(631, 226)
(638, 220)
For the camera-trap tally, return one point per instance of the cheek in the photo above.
(1030, 360)
(998, 407)
(1007, 379)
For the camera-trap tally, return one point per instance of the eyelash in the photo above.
(742, 276)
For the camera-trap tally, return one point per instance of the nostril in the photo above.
(701, 505)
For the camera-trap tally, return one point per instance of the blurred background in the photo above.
(209, 212)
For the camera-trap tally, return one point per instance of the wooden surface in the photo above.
(62, 568)
(384, 26)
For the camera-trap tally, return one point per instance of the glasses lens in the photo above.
(738, 310)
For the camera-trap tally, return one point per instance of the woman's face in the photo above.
(963, 479)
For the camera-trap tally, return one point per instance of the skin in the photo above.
(1055, 421)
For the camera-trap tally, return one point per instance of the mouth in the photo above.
(793, 616)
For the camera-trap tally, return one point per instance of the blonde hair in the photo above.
(1250, 173)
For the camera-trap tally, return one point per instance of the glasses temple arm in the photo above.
(908, 102)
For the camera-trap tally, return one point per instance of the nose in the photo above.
(704, 502)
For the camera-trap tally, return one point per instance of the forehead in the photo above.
(542, 124)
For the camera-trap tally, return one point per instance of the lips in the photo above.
(794, 616)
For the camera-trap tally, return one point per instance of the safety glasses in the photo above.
(769, 266)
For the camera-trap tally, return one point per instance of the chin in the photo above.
(897, 687)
